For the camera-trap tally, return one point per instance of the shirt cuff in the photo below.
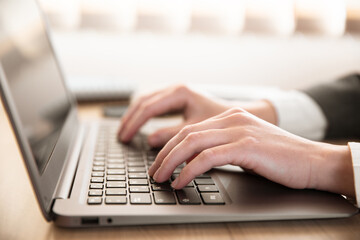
(299, 114)
(355, 155)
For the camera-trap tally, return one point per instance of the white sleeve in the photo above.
(299, 114)
(355, 155)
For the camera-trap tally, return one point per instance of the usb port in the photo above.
(90, 221)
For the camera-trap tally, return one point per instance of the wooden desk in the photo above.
(20, 216)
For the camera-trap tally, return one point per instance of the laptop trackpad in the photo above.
(252, 192)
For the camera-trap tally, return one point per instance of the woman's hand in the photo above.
(239, 138)
(194, 106)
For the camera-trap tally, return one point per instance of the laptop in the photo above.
(83, 177)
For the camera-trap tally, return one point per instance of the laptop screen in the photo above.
(34, 78)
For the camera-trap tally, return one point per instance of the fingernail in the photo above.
(156, 174)
(175, 182)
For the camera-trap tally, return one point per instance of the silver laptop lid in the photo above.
(39, 106)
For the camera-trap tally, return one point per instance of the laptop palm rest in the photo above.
(260, 199)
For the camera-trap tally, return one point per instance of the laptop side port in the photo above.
(89, 221)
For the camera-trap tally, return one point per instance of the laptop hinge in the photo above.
(67, 176)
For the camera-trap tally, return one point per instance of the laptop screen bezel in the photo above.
(44, 183)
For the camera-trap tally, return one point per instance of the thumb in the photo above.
(162, 136)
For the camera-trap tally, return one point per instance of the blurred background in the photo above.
(283, 43)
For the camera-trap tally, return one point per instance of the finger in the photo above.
(135, 105)
(227, 119)
(193, 144)
(132, 109)
(162, 136)
(157, 105)
(206, 160)
(204, 125)
(229, 112)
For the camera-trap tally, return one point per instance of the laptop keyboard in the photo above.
(119, 176)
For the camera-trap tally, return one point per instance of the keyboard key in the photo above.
(204, 181)
(116, 172)
(99, 158)
(97, 163)
(115, 149)
(177, 170)
(116, 200)
(97, 174)
(152, 180)
(115, 161)
(161, 187)
(95, 193)
(208, 188)
(115, 156)
(97, 180)
(116, 178)
(101, 146)
(140, 198)
(115, 191)
(142, 189)
(99, 154)
(136, 164)
(96, 186)
(115, 166)
(188, 196)
(204, 175)
(212, 198)
(94, 200)
(135, 153)
(135, 159)
(115, 145)
(164, 198)
(116, 184)
(190, 184)
(136, 169)
(137, 175)
(138, 182)
(152, 153)
(98, 169)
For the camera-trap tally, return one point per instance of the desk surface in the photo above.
(20, 216)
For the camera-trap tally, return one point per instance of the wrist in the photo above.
(332, 170)
(262, 109)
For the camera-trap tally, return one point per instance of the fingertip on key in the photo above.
(124, 137)
(151, 171)
(156, 175)
(175, 183)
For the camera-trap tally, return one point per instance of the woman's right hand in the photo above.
(239, 138)
(194, 106)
